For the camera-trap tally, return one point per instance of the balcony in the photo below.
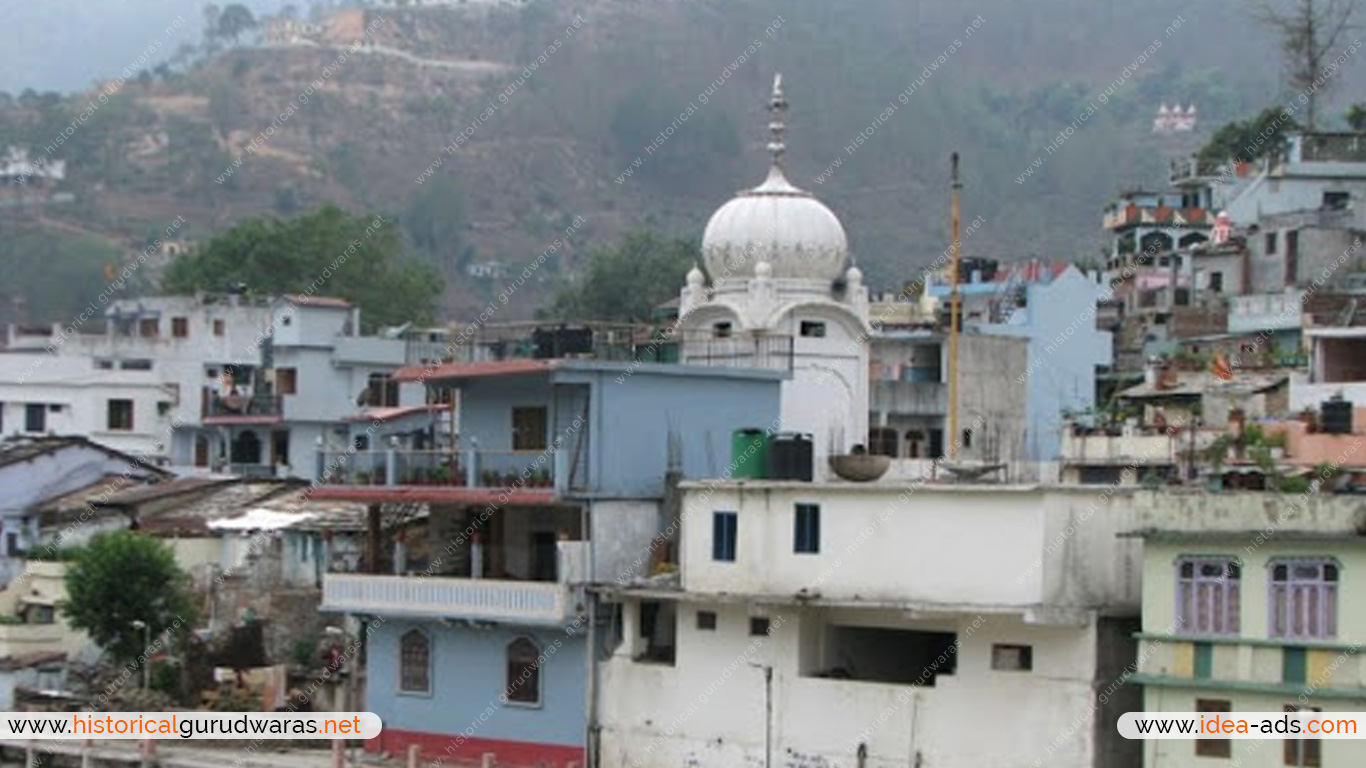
(910, 398)
(1091, 447)
(243, 409)
(1324, 670)
(437, 468)
(525, 602)
(746, 351)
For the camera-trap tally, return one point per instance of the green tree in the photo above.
(1247, 140)
(122, 577)
(234, 21)
(1356, 117)
(627, 281)
(326, 252)
(434, 220)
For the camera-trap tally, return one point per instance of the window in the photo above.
(382, 391)
(706, 621)
(967, 438)
(723, 532)
(218, 326)
(104, 365)
(35, 417)
(1336, 201)
(806, 534)
(180, 327)
(286, 381)
(529, 428)
(524, 672)
(721, 330)
(882, 442)
(1292, 257)
(1213, 747)
(813, 329)
(1270, 243)
(1216, 282)
(141, 364)
(658, 632)
(12, 544)
(1304, 599)
(148, 327)
(1306, 752)
(1012, 658)
(1208, 596)
(759, 625)
(414, 674)
(120, 415)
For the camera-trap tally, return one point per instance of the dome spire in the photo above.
(777, 107)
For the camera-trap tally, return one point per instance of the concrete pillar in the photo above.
(488, 761)
(391, 466)
(471, 469)
(413, 752)
(372, 539)
(338, 753)
(30, 756)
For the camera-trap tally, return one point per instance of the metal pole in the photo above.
(768, 716)
(954, 306)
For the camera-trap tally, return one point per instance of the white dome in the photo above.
(779, 224)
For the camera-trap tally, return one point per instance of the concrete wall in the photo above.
(1064, 350)
(708, 709)
(83, 391)
(952, 545)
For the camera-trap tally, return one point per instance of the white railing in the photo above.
(442, 596)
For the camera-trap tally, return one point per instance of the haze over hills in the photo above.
(558, 145)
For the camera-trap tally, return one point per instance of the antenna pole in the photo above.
(954, 312)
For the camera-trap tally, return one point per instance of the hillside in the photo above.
(554, 143)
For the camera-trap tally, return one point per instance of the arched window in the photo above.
(415, 655)
(524, 672)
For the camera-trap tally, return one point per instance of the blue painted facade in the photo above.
(622, 449)
(469, 674)
(1059, 319)
(621, 431)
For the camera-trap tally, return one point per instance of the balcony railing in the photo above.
(494, 470)
(243, 405)
(705, 348)
(478, 599)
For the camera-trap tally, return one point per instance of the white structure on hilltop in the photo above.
(780, 293)
(1174, 120)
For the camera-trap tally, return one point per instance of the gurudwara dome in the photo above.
(776, 223)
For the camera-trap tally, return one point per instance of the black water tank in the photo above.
(1335, 417)
(790, 457)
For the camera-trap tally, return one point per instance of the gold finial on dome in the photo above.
(777, 106)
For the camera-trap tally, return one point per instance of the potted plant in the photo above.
(488, 478)
(440, 476)
(542, 478)
(363, 477)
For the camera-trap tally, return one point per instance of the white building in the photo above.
(878, 625)
(230, 383)
(780, 294)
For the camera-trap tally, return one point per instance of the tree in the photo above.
(1356, 117)
(627, 281)
(211, 14)
(122, 577)
(1247, 140)
(434, 220)
(1309, 36)
(326, 252)
(235, 20)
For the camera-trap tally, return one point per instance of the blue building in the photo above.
(1054, 306)
(478, 630)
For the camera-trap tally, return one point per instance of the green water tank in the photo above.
(751, 446)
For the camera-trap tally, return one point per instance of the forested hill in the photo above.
(528, 151)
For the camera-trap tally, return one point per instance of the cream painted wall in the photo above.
(1245, 753)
